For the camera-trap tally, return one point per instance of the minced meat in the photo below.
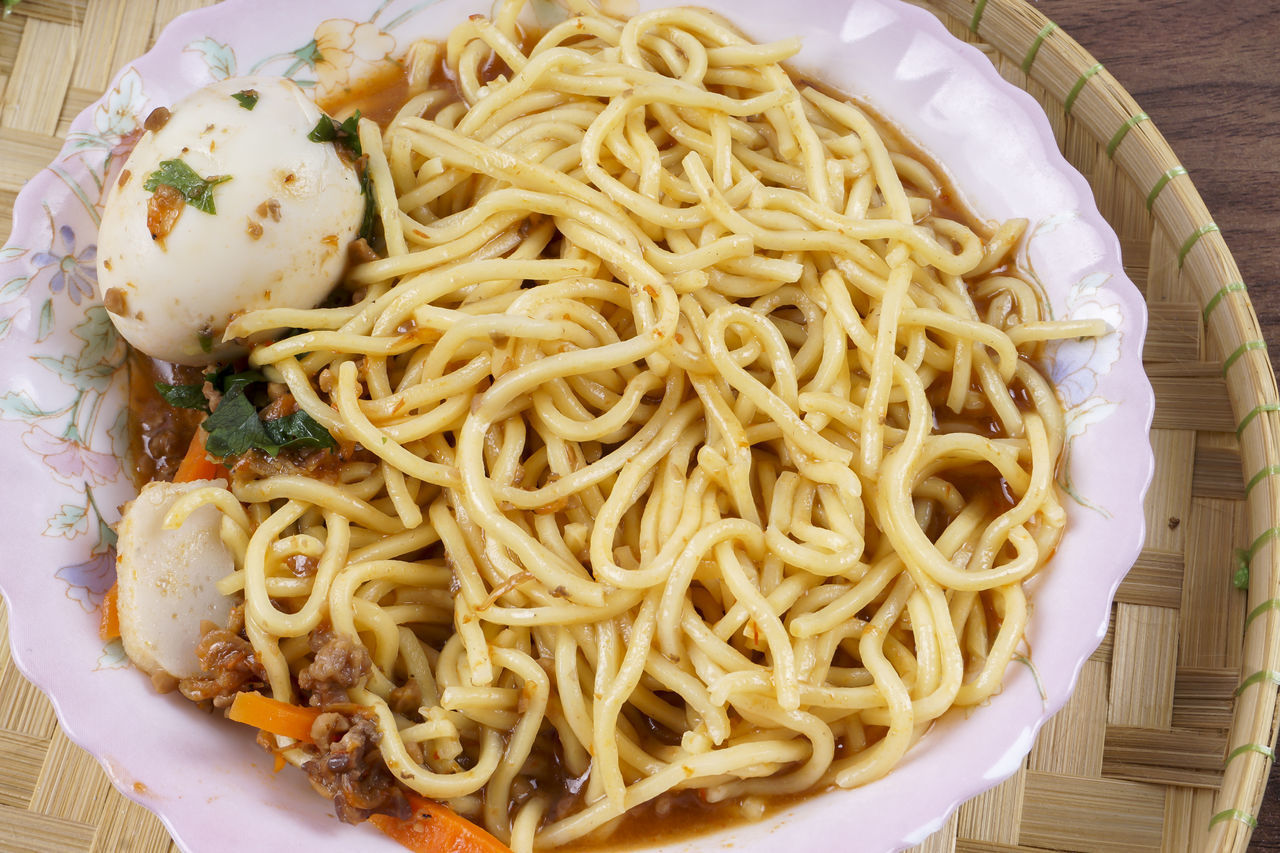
(339, 663)
(227, 661)
(350, 769)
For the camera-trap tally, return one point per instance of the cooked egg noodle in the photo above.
(710, 452)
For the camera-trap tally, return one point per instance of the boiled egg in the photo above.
(224, 206)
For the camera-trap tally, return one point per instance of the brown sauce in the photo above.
(377, 97)
(159, 433)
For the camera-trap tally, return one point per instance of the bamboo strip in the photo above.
(1116, 815)
(67, 12)
(1186, 757)
(7, 198)
(1173, 333)
(102, 23)
(21, 756)
(1212, 614)
(1142, 666)
(1202, 697)
(1217, 467)
(1187, 814)
(1155, 580)
(1169, 498)
(137, 35)
(1071, 743)
(10, 38)
(33, 96)
(23, 708)
(71, 785)
(30, 832)
(1105, 648)
(167, 10)
(25, 154)
(1190, 397)
(1162, 266)
(994, 815)
(131, 827)
(73, 104)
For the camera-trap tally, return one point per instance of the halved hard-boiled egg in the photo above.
(225, 205)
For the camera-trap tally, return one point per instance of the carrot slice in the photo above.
(273, 716)
(435, 828)
(109, 621)
(197, 465)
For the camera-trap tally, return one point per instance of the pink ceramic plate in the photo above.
(62, 416)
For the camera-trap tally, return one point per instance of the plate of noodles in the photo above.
(577, 428)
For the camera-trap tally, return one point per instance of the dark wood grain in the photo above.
(1209, 76)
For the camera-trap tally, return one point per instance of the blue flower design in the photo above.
(77, 273)
(88, 581)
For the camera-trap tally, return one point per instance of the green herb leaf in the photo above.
(228, 382)
(183, 396)
(247, 99)
(298, 430)
(346, 133)
(205, 339)
(196, 190)
(235, 427)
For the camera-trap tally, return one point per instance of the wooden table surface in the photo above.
(1207, 75)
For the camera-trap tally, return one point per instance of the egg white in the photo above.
(278, 238)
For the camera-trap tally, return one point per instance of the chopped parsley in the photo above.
(183, 396)
(197, 191)
(247, 98)
(205, 339)
(345, 134)
(236, 427)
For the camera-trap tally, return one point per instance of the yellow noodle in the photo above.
(682, 405)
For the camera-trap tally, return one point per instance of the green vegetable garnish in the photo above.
(183, 396)
(236, 427)
(247, 99)
(345, 134)
(196, 190)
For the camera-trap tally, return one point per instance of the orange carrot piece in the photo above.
(197, 465)
(435, 828)
(109, 621)
(273, 716)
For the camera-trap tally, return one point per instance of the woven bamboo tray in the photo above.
(1167, 741)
